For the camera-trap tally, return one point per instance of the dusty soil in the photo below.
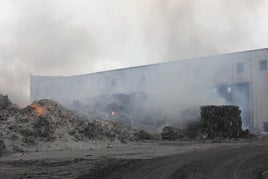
(147, 159)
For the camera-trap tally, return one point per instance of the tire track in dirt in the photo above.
(226, 162)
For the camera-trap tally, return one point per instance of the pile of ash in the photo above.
(47, 125)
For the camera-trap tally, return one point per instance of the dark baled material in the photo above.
(222, 122)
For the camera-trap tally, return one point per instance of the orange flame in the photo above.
(39, 110)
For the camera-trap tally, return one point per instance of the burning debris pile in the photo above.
(133, 109)
(222, 122)
(47, 125)
(122, 107)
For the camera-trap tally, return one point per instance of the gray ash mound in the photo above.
(47, 125)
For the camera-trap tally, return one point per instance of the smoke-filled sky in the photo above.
(69, 37)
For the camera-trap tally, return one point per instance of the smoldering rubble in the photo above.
(133, 109)
(125, 107)
(205, 122)
(47, 125)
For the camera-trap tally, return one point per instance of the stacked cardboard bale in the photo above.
(221, 122)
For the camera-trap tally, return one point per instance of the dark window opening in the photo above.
(263, 65)
(240, 67)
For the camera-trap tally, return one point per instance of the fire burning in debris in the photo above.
(39, 110)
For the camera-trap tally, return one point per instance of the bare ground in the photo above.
(148, 159)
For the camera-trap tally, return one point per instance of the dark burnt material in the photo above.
(222, 122)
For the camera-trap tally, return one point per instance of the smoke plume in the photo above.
(69, 37)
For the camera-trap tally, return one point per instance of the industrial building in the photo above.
(238, 78)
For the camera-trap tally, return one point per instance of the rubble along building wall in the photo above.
(240, 78)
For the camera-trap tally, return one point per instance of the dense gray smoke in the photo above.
(157, 95)
(68, 37)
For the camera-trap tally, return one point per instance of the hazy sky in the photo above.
(69, 37)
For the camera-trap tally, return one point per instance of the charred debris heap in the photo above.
(47, 125)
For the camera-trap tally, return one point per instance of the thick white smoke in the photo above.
(67, 37)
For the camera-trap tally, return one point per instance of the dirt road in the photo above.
(226, 162)
(148, 159)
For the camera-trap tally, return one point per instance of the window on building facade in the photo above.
(240, 67)
(263, 65)
(229, 89)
